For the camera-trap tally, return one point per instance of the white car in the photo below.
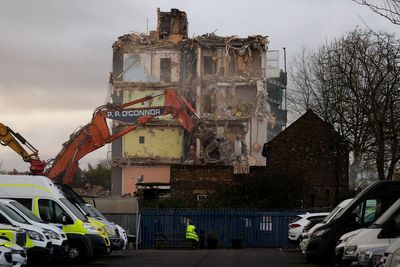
(297, 225)
(5, 257)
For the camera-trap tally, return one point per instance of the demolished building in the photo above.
(228, 80)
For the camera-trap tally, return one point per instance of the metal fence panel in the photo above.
(254, 228)
(125, 220)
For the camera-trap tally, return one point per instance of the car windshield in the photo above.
(73, 209)
(19, 207)
(12, 214)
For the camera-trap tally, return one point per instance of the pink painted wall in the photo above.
(151, 174)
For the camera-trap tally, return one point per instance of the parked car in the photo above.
(375, 238)
(297, 225)
(314, 224)
(361, 212)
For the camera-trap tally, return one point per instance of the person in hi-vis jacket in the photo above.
(191, 234)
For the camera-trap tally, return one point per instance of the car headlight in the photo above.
(89, 227)
(35, 235)
(109, 230)
(320, 232)
(53, 234)
(350, 250)
(383, 259)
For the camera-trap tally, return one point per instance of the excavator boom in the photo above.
(15, 141)
(96, 133)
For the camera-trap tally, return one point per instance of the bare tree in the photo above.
(389, 9)
(353, 83)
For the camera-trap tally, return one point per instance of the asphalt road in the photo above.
(198, 258)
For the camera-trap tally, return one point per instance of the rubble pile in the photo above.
(89, 190)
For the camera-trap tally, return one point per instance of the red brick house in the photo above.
(312, 156)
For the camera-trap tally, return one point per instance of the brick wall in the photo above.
(188, 181)
(311, 152)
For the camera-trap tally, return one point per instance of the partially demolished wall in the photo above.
(223, 77)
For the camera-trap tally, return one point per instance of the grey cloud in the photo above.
(55, 55)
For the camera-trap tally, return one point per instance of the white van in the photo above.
(117, 238)
(44, 199)
(5, 257)
(39, 237)
(116, 233)
(391, 257)
(58, 237)
(18, 253)
(376, 237)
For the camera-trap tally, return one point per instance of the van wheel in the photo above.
(77, 253)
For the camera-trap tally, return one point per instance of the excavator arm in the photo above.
(15, 141)
(96, 133)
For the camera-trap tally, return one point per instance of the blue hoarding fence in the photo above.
(257, 229)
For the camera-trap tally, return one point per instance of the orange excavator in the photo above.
(16, 142)
(96, 133)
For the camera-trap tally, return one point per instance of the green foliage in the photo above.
(100, 174)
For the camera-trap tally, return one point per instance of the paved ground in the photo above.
(198, 258)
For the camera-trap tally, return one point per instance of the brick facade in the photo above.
(188, 182)
(311, 153)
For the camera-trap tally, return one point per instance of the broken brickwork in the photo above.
(223, 77)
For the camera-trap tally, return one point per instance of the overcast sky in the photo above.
(55, 55)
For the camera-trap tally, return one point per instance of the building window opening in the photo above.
(208, 65)
(165, 69)
(141, 139)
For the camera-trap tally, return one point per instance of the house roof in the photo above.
(308, 115)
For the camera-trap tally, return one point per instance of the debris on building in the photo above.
(228, 80)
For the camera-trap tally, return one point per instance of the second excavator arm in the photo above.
(96, 133)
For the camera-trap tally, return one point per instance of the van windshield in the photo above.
(26, 212)
(86, 209)
(336, 211)
(12, 214)
(74, 209)
(97, 212)
(391, 213)
(332, 214)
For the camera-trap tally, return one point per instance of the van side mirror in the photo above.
(351, 220)
(389, 230)
(66, 219)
